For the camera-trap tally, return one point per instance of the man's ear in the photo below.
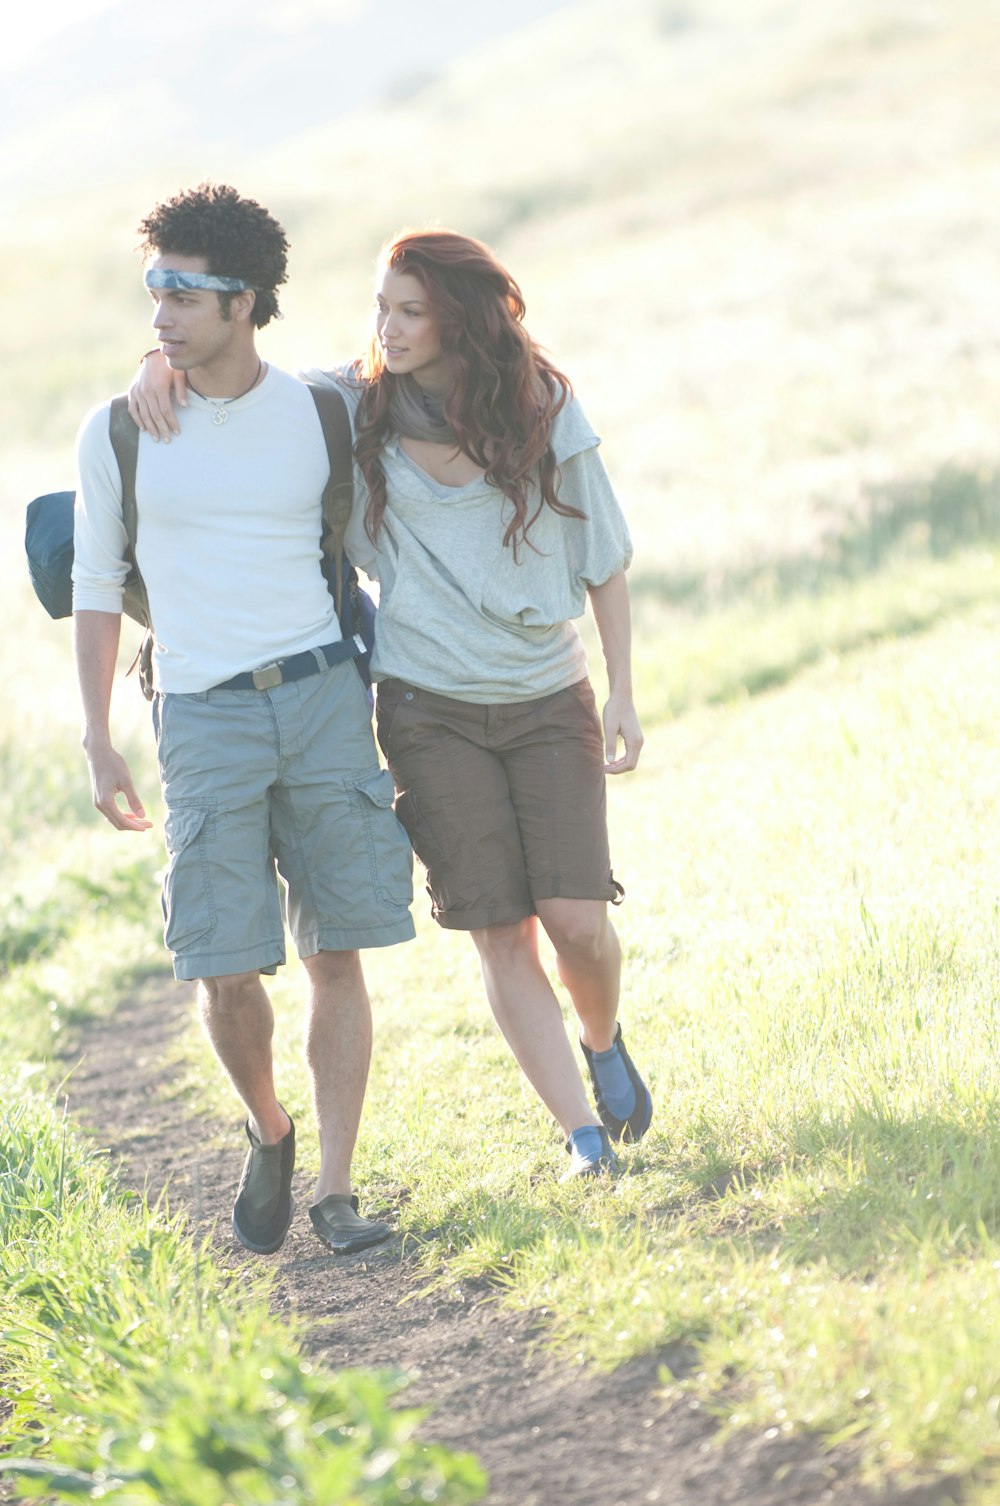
(242, 305)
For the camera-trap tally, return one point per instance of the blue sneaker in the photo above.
(590, 1153)
(635, 1124)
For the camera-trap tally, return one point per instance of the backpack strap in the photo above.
(338, 494)
(125, 443)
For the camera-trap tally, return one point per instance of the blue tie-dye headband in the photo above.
(193, 282)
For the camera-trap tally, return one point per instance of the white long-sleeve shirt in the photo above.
(228, 544)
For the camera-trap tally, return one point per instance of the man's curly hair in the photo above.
(237, 237)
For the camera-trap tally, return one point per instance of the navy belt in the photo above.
(312, 661)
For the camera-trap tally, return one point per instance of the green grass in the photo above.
(139, 1371)
(66, 965)
(760, 640)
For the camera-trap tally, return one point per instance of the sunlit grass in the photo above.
(133, 1366)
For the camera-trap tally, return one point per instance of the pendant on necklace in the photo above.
(220, 416)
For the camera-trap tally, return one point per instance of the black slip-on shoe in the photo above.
(263, 1208)
(637, 1123)
(591, 1154)
(342, 1228)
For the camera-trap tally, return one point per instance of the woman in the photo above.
(486, 516)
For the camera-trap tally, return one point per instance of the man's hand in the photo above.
(621, 721)
(95, 647)
(154, 395)
(109, 779)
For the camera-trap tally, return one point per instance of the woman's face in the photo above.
(409, 334)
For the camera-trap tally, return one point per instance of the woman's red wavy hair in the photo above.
(506, 393)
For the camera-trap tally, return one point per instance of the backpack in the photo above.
(48, 537)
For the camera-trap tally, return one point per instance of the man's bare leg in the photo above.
(239, 1022)
(338, 1050)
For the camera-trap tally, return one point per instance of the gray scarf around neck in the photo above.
(416, 415)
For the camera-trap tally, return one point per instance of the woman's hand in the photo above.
(621, 721)
(153, 395)
(614, 628)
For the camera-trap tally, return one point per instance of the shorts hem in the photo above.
(191, 966)
(569, 891)
(480, 920)
(474, 920)
(355, 938)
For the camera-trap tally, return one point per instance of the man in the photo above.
(263, 727)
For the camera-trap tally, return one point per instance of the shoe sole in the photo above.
(588, 1173)
(354, 1246)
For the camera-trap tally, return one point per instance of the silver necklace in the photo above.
(220, 410)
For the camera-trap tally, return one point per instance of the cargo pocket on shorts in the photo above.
(388, 846)
(188, 905)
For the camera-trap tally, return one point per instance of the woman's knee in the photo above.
(498, 944)
(579, 929)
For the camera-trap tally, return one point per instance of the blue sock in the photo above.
(587, 1142)
(614, 1082)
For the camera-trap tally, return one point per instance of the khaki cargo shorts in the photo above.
(285, 781)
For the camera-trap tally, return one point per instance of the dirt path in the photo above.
(549, 1435)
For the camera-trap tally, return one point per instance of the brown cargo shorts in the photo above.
(504, 804)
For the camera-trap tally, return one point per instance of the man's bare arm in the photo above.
(95, 645)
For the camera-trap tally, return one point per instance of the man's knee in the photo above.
(230, 990)
(333, 970)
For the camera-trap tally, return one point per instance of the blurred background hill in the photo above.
(131, 85)
(759, 234)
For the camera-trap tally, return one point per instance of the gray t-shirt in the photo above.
(457, 613)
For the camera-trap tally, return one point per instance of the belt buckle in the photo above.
(268, 677)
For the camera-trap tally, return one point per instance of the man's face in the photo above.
(189, 325)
